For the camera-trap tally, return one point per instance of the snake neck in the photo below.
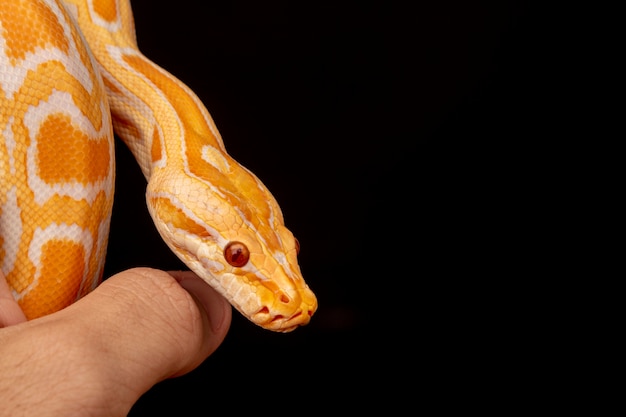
(154, 113)
(165, 122)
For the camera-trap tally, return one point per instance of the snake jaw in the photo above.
(278, 303)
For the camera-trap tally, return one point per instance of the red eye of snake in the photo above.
(236, 254)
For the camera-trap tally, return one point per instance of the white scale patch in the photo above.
(11, 227)
(215, 158)
(9, 141)
(110, 26)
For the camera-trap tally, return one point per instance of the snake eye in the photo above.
(297, 246)
(236, 254)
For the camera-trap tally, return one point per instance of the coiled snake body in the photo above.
(58, 106)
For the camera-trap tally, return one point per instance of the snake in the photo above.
(71, 78)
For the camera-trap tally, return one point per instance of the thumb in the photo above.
(103, 352)
(165, 324)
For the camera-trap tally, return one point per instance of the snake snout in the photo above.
(284, 324)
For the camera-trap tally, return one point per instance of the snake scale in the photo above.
(71, 74)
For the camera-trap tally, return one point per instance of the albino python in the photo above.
(70, 74)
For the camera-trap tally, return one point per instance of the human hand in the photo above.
(99, 355)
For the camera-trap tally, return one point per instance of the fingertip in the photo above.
(218, 311)
(10, 311)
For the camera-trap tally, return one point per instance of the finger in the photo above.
(10, 311)
(214, 307)
(204, 295)
(167, 330)
(137, 328)
(144, 327)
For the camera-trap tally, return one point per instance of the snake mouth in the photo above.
(280, 323)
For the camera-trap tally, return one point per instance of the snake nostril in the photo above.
(283, 298)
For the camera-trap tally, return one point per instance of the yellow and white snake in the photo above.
(70, 73)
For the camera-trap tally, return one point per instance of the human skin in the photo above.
(99, 355)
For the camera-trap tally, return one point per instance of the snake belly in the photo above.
(70, 74)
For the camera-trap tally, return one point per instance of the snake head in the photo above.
(231, 233)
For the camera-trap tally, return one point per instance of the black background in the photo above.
(387, 134)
